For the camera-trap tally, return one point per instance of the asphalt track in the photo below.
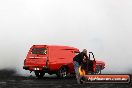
(9, 80)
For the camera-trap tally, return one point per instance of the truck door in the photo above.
(38, 56)
(91, 62)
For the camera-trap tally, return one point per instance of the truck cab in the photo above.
(94, 66)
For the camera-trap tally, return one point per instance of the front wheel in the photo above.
(98, 69)
(39, 74)
(62, 72)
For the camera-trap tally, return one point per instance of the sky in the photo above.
(101, 26)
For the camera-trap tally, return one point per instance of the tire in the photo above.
(62, 72)
(98, 69)
(82, 80)
(39, 74)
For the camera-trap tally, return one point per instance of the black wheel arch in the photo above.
(62, 67)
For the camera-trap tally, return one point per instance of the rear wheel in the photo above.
(62, 72)
(39, 74)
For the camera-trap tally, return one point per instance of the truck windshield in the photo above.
(41, 51)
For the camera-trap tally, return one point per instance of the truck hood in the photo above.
(101, 63)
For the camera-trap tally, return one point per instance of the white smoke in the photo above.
(103, 27)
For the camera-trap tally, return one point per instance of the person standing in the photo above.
(77, 61)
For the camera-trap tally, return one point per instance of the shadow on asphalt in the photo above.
(9, 79)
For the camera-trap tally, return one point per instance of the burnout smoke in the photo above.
(103, 27)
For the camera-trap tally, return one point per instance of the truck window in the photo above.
(41, 51)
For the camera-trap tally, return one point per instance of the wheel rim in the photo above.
(63, 72)
(98, 70)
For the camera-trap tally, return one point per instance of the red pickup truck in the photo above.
(53, 59)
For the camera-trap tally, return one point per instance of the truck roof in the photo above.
(60, 46)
